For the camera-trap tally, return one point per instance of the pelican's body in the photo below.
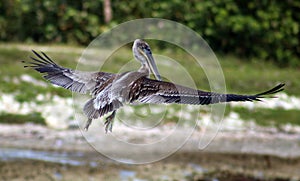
(110, 91)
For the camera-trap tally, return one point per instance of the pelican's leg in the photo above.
(87, 124)
(109, 122)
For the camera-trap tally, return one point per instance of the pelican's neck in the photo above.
(144, 69)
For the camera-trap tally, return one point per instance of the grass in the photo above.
(35, 118)
(258, 75)
(243, 77)
(12, 68)
(268, 117)
(240, 76)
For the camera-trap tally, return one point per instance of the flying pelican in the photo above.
(110, 91)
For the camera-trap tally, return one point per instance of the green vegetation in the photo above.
(267, 30)
(12, 68)
(256, 76)
(35, 118)
(240, 76)
(269, 117)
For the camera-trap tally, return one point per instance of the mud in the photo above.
(180, 166)
(30, 152)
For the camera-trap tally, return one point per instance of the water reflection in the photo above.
(74, 158)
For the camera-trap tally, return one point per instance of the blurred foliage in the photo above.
(9, 118)
(268, 117)
(50, 20)
(263, 29)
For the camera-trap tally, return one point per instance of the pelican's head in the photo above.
(142, 52)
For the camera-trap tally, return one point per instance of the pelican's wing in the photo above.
(74, 80)
(157, 92)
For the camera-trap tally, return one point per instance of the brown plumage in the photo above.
(110, 91)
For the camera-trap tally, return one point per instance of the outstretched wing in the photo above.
(157, 92)
(74, 80)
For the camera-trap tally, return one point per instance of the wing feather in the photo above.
(74, 80)
(157, 92)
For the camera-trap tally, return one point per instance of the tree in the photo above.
(107, 11)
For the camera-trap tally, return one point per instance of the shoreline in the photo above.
(260, 155)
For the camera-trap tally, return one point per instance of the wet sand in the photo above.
(231, 156)
(182, 166)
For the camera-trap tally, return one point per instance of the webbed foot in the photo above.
(109, 122)
(87, 124)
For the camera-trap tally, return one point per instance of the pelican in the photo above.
(111, 91)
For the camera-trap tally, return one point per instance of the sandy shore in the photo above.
(260, 155)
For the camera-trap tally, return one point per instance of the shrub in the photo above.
(263, 29)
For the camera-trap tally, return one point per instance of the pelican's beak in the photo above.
(151, 64)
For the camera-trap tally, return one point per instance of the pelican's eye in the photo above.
(147, 49)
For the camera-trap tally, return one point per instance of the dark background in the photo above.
(268, 30)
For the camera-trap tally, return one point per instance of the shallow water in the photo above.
(26, 164)
(73, 159)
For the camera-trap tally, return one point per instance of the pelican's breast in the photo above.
(120, 88)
